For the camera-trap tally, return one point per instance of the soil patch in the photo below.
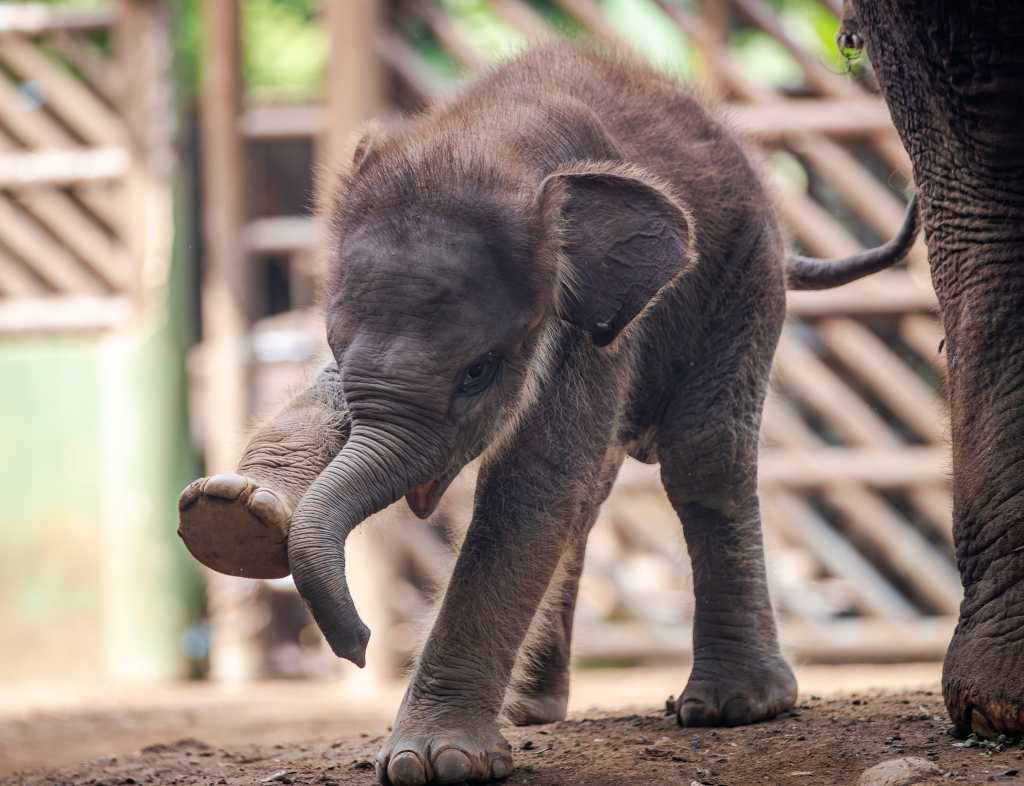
(824, 742)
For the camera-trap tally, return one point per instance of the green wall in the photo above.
(92, 579)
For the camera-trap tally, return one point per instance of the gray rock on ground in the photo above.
(905, 771)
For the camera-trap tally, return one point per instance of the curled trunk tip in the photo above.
(356, 484)
(349, 641)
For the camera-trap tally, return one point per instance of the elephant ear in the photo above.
(619, 237)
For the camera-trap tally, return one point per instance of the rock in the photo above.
(906, 771)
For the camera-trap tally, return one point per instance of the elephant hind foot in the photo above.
(235, 526)
(532, 710)
(728, 692)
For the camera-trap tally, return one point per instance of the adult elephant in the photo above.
(952, 72)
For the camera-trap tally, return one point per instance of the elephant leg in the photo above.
(539, 689)
(739, 675)
(447, 726)
(237, 522)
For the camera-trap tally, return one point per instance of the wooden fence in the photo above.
(854, 479)
(85, 124)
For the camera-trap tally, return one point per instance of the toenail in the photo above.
(692, 712)
(452, 766)
(406, 769)
(736, 711)
(267, 506)
(189, 494)
(226, 486)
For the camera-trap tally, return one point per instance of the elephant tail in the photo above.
(813, 273)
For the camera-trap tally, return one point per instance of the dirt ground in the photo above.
(302, 733)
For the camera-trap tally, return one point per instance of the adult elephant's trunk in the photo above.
(371, 472)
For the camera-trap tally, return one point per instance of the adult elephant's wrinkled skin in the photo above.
(569, 263)
(952, 74)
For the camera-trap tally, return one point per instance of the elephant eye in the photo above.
(479, 375)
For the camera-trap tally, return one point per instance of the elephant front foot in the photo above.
(235, 526)
(732, 691)
(444, 752)
(983, 684)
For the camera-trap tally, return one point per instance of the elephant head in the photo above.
(450, 278)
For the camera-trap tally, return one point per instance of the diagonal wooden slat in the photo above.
(36, 130)
(521, 16)
(411, 68)
(930, 573)
(801, 525)
(79, 109)
(48, 259)
(864, 194)
(589, 14)
(100, 71)
(448, 33)
(801, 372)
(65, 219)
(16, 280)
(888, 376)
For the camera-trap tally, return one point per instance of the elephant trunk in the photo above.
(370, 473)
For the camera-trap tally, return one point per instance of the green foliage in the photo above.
(646, 26)
(485, 28)
(285, 48)
(996, 745)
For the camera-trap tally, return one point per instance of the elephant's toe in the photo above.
(452, 766)
(228, 485)
(404, 769)
(416, 757)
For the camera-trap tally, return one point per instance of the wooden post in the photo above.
(716, 18)
(225, 313)
(355, 77)
(146, 102)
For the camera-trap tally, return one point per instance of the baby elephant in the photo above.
(569, 263)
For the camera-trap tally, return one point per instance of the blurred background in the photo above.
(158, 277)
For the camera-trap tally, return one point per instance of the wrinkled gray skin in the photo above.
(583, 222)
(952, 74)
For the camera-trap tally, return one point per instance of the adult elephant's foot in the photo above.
(983, 682)
(732, 691)
(427, 752)
(234, 525)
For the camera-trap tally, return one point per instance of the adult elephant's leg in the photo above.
(955, 91)
(539, 690)
(237, 522)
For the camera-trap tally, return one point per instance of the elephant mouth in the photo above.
(424, 498)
